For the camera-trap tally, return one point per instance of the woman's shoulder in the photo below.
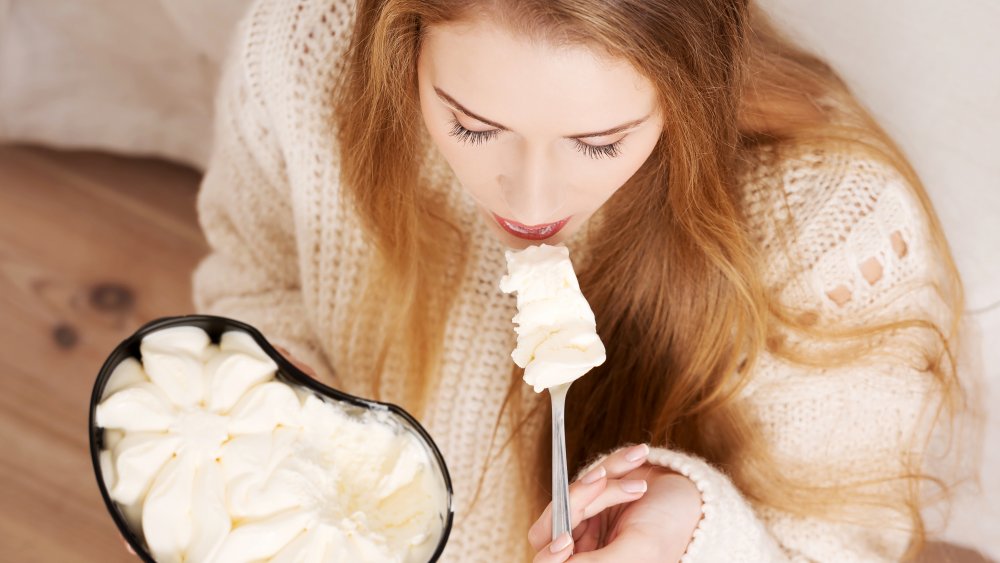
(838, 230)
(291, 51)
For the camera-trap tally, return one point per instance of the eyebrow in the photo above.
(456, 105)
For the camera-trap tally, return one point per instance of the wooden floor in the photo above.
(91, 247)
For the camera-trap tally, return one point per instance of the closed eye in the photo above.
(480, 137)
(610, 150)
(469, 136)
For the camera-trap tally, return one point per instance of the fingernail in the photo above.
(633, 486)
(561, 543)
(594, 475)
(637, 452)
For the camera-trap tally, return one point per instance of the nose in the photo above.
(534, 193)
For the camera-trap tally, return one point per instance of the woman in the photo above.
(774, 291)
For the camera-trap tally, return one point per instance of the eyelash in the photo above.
(471, 137)
(479, 137)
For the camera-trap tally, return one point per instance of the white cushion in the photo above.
(130, 76)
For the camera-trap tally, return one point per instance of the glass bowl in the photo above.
(287, 373)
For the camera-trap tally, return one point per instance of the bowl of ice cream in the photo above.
(209, 445)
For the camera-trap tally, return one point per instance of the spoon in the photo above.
(560, 473)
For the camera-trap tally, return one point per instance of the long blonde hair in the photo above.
(678, 296)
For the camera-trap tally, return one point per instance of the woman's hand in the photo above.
(623, 510)
(128, 547)
(296, 362)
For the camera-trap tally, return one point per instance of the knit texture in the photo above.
(287, 254)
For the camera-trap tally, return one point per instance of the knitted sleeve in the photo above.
(861, 254)
(245, 208)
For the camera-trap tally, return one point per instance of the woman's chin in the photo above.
(515, 243)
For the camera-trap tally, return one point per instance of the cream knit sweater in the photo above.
(286, 252)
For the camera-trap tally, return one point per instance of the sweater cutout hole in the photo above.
(839, 295)
(871, 269)
(898, 243)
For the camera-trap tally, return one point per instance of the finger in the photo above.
(588, 536)
(581, 494)
(557, 551)
(630, 545)
(618, 491)
(128, 546)
(295, 361)
(624, 460)
(307, 369)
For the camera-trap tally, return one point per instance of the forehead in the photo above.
(528, 83)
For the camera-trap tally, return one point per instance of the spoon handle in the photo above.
(560, 475)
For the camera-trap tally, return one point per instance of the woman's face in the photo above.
(535, 133)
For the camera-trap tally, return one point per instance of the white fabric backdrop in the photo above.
(129, 76)
(137, 77)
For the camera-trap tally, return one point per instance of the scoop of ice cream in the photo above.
(557, 339)
(216, 460)
(362, 488)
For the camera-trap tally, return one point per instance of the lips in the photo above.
(533, 232)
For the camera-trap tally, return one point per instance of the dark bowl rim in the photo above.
(129, 347)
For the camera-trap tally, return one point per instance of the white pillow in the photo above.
(129, 76)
